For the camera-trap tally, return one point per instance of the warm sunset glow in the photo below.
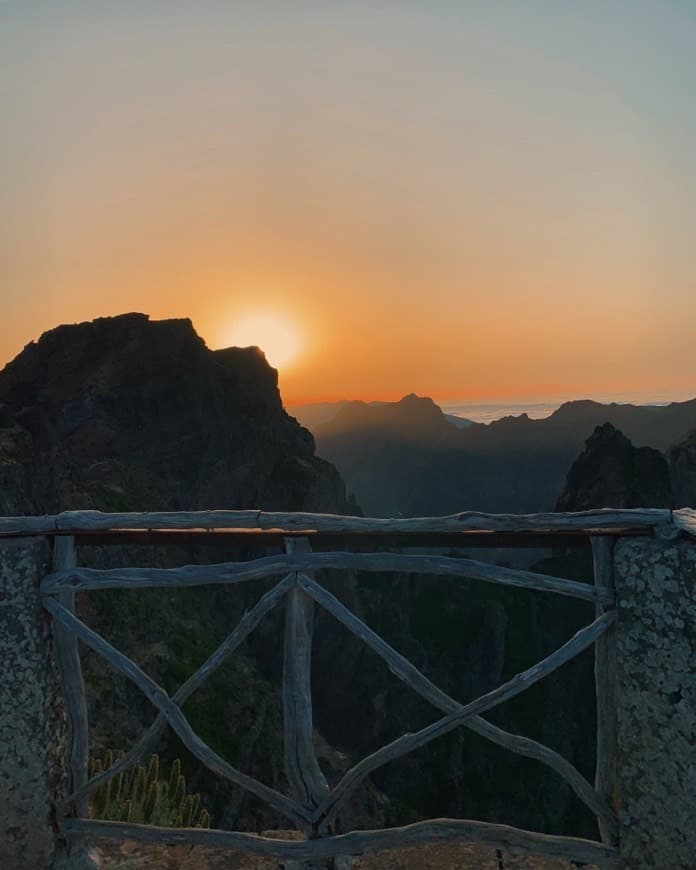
(458, 200)
(276, 337)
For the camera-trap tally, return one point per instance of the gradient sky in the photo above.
(470, 199)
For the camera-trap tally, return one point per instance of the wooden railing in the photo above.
(312, 804)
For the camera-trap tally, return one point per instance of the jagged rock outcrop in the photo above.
(682, 461)
(611, 472)
(126, 413)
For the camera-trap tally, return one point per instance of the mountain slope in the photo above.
(405, 457)
(126, 413)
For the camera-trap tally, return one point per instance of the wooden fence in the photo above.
(312, 804)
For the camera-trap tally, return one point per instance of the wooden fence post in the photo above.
(74, 853)
(307, 782)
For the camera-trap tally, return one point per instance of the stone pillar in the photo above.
(32, 718)
(656, 661)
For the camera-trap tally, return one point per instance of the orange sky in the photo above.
(460, 200)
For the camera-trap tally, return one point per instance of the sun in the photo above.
(276, 337)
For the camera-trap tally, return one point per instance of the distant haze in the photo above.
(538, 409)
(477, 199)
(312, 414)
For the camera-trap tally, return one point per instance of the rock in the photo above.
(611, 472)
(682, 460)
(80, 858)
(126, 413)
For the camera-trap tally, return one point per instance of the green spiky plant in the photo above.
(138, 795)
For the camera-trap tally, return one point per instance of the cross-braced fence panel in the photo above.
(312, 805)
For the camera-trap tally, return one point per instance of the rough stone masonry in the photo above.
(656, 659)
(32, 719)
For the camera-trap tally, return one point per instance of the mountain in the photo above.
(314, 414)
(126, 413)
(406, 458)
(611, 472)
(414, 418)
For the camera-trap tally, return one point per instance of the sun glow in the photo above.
(277, 338)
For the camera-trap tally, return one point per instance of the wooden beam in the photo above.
(602, 521)
(402, 668)
(148, 740)
(188, 575)
(494, 836)
(255, 539)
(408, 742)
(173, 714)
(307, 783)
(236, 572)
(606, 687)
(70, 667)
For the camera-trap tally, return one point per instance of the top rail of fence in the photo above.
(664, 522)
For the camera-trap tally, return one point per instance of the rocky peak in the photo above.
(128, 413)
(411, 417)
(611, 472)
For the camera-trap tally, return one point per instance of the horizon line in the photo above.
(628, 397)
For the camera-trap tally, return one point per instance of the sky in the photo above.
(459, 199)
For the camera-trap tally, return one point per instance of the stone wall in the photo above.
(656, 656)
(32, 721)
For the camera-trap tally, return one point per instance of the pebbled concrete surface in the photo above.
(32, 722)
(656, 659)
(459, 856)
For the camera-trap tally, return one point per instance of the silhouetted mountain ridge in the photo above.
(314, 414)
(611, 472)
(125, 412)
(405, 457)
(413, 418)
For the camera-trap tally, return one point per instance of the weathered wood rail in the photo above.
(312, 803)
(584, 522)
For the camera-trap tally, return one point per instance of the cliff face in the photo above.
(611, 472)
(682, 460)
(126, 413)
